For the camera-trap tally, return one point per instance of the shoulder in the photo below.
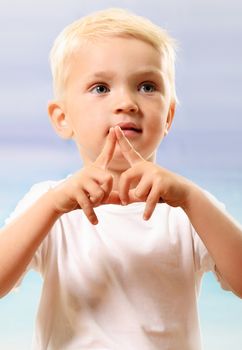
(42, 187)
(38, 190)
(34, 193)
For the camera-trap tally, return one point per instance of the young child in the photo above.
(123, 243)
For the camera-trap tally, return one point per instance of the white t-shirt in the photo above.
(124, 284)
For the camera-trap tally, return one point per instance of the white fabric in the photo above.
(125, 284)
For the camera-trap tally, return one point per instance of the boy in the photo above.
(112, 279)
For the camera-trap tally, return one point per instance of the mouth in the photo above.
(129, 129)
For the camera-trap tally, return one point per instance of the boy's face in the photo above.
(116, 81)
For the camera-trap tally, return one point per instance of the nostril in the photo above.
(126, 102)
(127, 108)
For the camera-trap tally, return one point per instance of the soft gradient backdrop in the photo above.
(205, 143)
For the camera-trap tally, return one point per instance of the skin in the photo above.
(134, 88)
(125, 170)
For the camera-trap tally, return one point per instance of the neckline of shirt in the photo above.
(122, 209)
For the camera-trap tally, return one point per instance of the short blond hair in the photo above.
(107, 23)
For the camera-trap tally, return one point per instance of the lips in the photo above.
(129, 126)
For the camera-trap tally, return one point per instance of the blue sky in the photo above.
(204, 144)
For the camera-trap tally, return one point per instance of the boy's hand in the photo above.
(142, 182)
(147, 182)
(90, 186)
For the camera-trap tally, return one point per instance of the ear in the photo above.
(59, 120)
(170, 117)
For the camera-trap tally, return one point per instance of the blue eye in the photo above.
(147, 87)
(100, 89)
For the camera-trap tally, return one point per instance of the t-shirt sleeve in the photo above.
(203, 260)
(29, 199)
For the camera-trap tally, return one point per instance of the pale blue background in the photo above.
(205, 143)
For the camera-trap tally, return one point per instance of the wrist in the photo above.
(192, 193)
(53, 203)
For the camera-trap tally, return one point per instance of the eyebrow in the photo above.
(157, 73)
(100, 74)
(142, 72)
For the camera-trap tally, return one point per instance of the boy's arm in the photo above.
(220, 233)
(20, 239)
(86, 189)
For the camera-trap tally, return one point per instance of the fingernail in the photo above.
(94, 220)
(137, 194)
(124, 203)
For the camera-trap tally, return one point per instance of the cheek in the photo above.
(86, 123)
(156, 123)
(90, 134)
(159, 114)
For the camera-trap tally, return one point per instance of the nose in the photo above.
(125, 103)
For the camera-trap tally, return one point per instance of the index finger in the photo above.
(106, 154)
(127, 149)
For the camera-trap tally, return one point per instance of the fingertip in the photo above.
(118, 131)
(93, 220)
(149, 209)
(139, 195)
(111, 130)
(110, 133)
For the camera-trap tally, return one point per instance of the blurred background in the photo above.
(204, 144)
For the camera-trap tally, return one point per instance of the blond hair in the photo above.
(106, 23)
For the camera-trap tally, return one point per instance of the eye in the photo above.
(147, 87)
(100, 89)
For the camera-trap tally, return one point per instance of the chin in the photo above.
(119, 164)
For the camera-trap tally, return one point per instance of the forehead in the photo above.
(119, 54)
